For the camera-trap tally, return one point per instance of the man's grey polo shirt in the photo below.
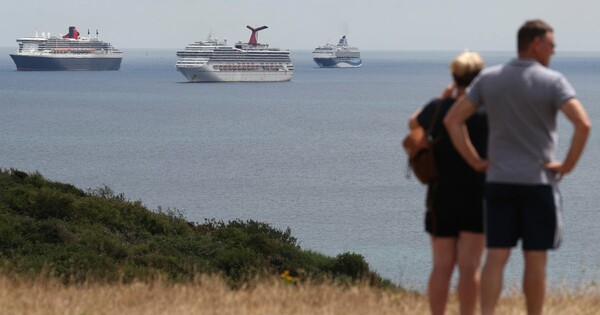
(522, 99)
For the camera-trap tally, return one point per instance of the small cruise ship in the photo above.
(68, 52)
(216, 61)
(337, 56)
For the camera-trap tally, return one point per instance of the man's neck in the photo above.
(526, 55)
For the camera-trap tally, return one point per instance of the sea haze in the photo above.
(320, 154)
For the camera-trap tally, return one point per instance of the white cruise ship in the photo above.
(337, 56)
(215, 61)
(68, 52)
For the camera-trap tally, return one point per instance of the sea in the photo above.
(320, 154)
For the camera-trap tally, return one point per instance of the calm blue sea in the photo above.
(320, 154)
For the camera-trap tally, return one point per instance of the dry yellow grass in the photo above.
(212, 296)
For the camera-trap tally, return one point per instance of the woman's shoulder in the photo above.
(443, 103)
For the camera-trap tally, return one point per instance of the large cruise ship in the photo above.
(337, 56)
(216, 61)
(69, 52)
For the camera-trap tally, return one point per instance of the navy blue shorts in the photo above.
(531, 213)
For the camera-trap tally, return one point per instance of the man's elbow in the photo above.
(450, 121)
(584, 126)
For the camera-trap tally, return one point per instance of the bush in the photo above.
(55, 228)
(351, 265)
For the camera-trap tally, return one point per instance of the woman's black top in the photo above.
(452, 169)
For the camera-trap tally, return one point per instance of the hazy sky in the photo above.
(304, 24)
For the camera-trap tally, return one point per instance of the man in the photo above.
(522, 99)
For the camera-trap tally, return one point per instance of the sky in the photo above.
(451, 25)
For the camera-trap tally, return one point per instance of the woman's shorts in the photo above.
(453, 209)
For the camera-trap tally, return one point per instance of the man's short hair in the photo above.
(529, 31)
(465, 68)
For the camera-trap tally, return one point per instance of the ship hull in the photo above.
(335, 63)
(215, 61)
(66, 63)
(206, 74)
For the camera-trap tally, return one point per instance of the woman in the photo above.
(454, 217)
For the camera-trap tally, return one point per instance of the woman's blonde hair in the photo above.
(466, 67)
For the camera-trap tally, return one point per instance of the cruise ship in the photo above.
(216, 61)
(68, 52)
(337, 56)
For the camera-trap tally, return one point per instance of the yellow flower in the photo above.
(286, 276)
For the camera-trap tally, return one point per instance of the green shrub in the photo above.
(350, 264)
(55, 228)
(11, 235)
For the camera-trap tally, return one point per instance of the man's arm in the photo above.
(581, 123)
(455, 122)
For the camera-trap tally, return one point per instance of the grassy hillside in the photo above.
(50, 228)
(211, 295)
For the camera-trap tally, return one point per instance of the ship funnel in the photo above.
(254, 37)
(73, 33)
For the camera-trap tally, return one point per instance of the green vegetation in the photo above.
(56, 229)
